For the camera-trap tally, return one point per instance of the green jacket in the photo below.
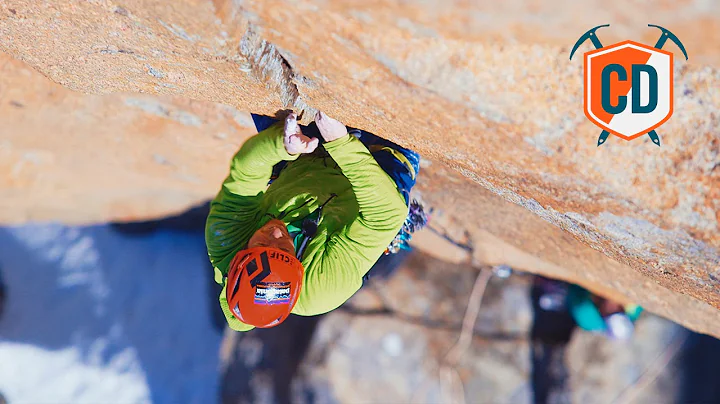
(355, 228)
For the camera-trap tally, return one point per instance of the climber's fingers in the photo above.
(295, 142)
(311, 145)
(303, 144)
(329, 128)
(291, 125)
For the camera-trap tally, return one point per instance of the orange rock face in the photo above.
(78, 158)
(484, 89)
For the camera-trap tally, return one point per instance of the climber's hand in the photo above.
(330, 129)
(295, 142)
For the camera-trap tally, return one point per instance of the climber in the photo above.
(337, 199)
(582, 308)
(558, 308)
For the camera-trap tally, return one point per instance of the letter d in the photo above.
(637, 91)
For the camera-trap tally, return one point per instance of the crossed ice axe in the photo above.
(664, 36)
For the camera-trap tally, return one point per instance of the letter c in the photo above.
(605, 93)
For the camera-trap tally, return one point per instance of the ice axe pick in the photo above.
(664, 36)
(592, 36)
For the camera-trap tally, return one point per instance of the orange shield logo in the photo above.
(628, 85)
(628, 88)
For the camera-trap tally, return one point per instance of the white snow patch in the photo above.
(32, 374)
(95, 316)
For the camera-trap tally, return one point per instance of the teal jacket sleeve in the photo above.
(349, 254)
(583, 310)
(234, 213)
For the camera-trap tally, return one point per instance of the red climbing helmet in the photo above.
(263, 285)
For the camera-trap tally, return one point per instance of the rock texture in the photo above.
(484, 90)
(89, 158)
(509, 234)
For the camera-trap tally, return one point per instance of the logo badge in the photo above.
(628, 86)
(272, 293)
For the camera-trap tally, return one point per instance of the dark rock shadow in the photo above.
(139, 300)
(191, 221)
(2, 294)
(699, 368)
(264, 362)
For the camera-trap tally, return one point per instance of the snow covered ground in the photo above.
(95, 316)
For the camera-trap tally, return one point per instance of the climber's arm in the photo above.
(350, 254)
(251, 167)
(382, 209)
(234, 211)
(381, 206)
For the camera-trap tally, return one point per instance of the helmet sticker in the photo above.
(277, 255)
(252, 267)
(271, 293)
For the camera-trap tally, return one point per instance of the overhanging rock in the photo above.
(484, 96)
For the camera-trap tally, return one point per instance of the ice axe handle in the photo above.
(661, 41)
